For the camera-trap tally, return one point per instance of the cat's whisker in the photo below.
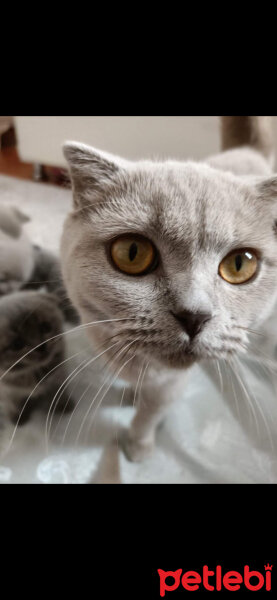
(114, 354)
(68, 380)
(102, 398)
(268, 370)
(142, 379)
(116, 429)
(32, 392)
(59, 335)
(66, 403)
(247, 396)
(263, 418)
(250, 331)
(62, 389)
(136, 388)
(231, 373)
(262, 353)
(74, 410)
(76, 407)
(99, 348)
(263, 359)
(69, 376)
(265, 363)
(219, 375)
(93, 420)
(124, 351)
(260, 410)
(110, 338)
(86, 390)
(267, 360)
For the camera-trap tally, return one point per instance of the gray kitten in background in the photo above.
(16, 250)
(179, 258)
(26, 266)
(26, 320)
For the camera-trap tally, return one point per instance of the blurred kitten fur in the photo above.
(26, 320)
(16, 251)
(47, 274)
(27, 266)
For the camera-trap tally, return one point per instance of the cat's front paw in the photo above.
(134, 449)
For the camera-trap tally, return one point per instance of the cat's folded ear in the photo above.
(267, 188)
(92, 172)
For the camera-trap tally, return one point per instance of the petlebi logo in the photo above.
(216, 580)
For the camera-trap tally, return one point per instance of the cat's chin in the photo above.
(185, 358)
(180, 360)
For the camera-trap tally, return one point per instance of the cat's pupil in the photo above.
(238, 262)
(133, 250)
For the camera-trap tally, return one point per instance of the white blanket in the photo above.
(219, 431)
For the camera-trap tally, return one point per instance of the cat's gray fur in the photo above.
(16, 250)
(26, 320)
(195, 214)
(47, 274)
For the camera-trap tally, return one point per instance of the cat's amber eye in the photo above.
(239, 266)
(134, 255)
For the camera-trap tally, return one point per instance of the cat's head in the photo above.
(184, 254)
(26, 320)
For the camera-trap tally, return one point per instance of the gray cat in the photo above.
(26, 320)
(179, 258)
(26, 266)
(16, 250)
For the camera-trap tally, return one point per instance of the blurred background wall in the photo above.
(31, 147)
(40, 138)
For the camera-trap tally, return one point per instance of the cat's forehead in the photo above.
(210, 208)
(187, 204)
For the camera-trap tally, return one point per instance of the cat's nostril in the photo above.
(192, 322)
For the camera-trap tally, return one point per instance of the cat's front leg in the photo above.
(139, 440)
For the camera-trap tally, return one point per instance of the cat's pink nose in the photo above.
(192, 322)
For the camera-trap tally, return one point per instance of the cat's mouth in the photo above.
(222, 350)
(195, 351)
